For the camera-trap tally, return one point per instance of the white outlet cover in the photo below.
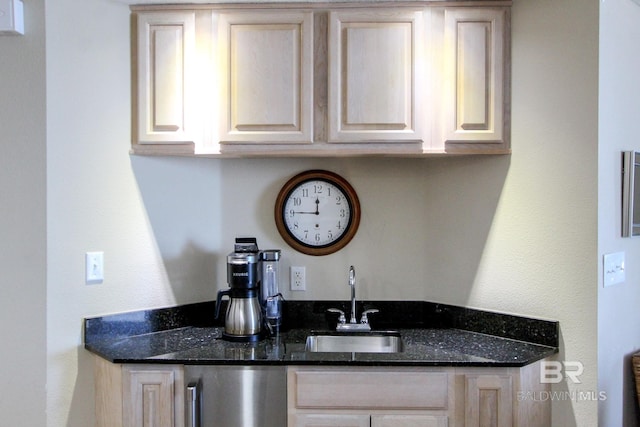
(613, 269)
(301, 273)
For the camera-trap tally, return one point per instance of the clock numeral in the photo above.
(297, 201)
(317, 237)
(317, 189)
(338, 200)
(343, 213)
(292, 213)
(330, 235)
(305, 192)
(339, 225)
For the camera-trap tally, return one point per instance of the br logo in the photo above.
(552, 372)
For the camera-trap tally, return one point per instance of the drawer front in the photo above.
(409, 421)
(375, 389)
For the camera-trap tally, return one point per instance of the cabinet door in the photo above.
(267, 77)
(408, 421)
(489, 401)
(475, 78)
(331, 420)
(374, 76)
(165, 100)
(153, 397)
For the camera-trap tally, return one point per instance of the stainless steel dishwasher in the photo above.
(236, 396)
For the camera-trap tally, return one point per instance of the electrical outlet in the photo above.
(298, 279)
(94, 267)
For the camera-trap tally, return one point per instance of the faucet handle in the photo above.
(342, 319)
(364, 319)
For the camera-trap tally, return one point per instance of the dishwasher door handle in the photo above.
(193, 404)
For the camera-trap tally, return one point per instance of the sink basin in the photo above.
(373, 342)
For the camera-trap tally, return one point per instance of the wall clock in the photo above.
(317, 212)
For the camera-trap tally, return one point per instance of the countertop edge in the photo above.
(186, 335)
(423, 348)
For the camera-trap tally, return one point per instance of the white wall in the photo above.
(618, 318)
(541, 256)
(509, 233)
(92, 198)
(23, 223)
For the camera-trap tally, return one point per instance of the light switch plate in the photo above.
(94, 268)
(11, 17)
(613, 269)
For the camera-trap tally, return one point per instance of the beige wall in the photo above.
(512, 233)
(23, 223)
(618, 318)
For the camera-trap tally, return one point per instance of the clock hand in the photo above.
(317, 212)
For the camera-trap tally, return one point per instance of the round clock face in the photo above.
(317, 212)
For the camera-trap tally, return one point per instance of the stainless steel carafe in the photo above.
(243, 318)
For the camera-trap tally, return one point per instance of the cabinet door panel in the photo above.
(166, 49)
(408, 421)
(267, 77)
(152, 398)
(378, 108)
(489, 401)
(474, 63)
(331, 420)
(373, 76)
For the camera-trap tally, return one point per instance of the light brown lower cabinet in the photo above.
(408, 421)
(489, 400)
(311, 420)
(153, 395)
(139, 395)
(412, 397)
(329, 420)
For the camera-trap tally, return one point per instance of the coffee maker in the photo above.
(243, 319)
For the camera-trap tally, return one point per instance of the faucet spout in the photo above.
(353, 325)
(352, 284)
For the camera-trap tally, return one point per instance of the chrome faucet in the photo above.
(352, 285)
(353, 324)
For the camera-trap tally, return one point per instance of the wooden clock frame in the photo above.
(352, 200)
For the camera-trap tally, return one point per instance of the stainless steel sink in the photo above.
(374, 342)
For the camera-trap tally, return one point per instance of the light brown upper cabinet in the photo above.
(166, 82)
(475, 84)
(322, 79)
(375, 76)
(266, 68)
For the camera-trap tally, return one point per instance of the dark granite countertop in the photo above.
(432, 335)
